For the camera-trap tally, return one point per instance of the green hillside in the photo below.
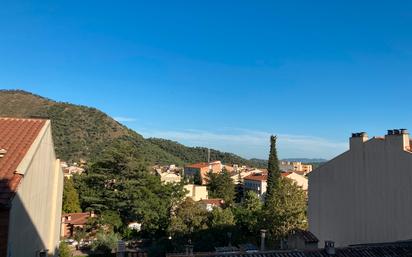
(83, 132)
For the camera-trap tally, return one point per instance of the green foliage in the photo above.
(118, 183)
(189, 217)
(273, 169)
(220, 185)
(64, 250)
(81, 132)
(105, 242)
(221, 218)
(285, 210)
(199, 154)
(249, 214)
(70, 197)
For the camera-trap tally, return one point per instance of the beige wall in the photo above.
(299, 180)
(196, 192)
(365, 194)
(36, 209)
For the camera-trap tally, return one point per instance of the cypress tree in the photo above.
(273, 169)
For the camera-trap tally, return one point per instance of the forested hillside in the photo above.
(82, 132)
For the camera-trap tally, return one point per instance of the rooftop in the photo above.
(257, 177)
(395, 249)
(16, 137)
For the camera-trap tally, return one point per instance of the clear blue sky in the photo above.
(224, 74)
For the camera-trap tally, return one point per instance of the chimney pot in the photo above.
(396, 132)
(404, 131)
(390, 132)
(330, 247)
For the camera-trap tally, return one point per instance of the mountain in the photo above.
(199, 154)
(81, 132)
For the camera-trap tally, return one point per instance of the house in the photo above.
(364, 195)
(209, 204)
(238, 177)
(69, 171)
(297, 167)
(31, 187)
(201, 169)
(72, 221)
(302, 240)
(296, 178)
(168, 176)
(196, 192)
(256, 182)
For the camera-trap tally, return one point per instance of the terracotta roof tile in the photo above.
(257, 177)
(76, 218)
(16, 136)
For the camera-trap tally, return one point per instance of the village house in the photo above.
(256, 182)
(200, 170)
(296, 178)
(297, 167)
(31, 187)
(72, 221)
(238, 177)
(168, 174)
(196, 192)
(209, 204)
(364, 195)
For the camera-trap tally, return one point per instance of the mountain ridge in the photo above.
(80, 132)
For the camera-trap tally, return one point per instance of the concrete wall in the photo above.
(365, 194)
(36, 209)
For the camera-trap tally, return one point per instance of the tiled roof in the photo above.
(257, 177)
(215, 201)
(198, 165)
(387, 250)
(306, 235)
(16, 137)
(76, 218)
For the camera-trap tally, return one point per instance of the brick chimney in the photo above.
(357, 140)
(397, 138)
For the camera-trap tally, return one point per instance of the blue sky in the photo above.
(223, 74)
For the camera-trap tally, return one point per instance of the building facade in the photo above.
(200, 170)
(31, 187)
(365, 194)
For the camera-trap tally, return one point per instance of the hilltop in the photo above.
(82, 132)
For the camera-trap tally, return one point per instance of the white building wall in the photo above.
(365, 194)
(36, 209)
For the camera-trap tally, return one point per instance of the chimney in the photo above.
(398, 138)
(357, 140)
(330, 247)
(262, 239)
(69, 217)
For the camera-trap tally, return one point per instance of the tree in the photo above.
(220, 185)
(285, 210)
(64, 250)
(249, 213)
(189, 217)
(274, 175)
(221, 217)
(105, 242)
(70, 197)
(112, 219)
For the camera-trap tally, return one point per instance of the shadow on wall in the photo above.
(19, 235)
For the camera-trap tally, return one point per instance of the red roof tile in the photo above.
(16, 137)
(215, 201)
(198, 165)
(257, 177)
(76, 218)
